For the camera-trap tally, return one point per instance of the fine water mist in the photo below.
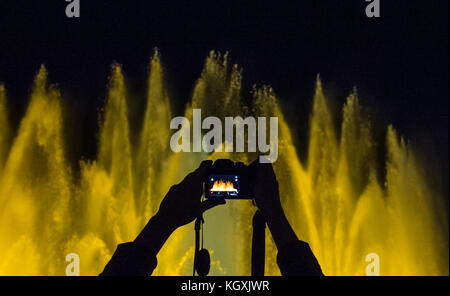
(335, 200)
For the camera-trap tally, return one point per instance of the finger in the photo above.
(265, 170)
(198, 175)
(203, 169)
(254, 163)
(211, 203)
(193, 181)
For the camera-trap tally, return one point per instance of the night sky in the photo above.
(399, 62)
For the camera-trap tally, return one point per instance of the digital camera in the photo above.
(229, 180)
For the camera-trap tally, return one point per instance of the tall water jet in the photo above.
(414, 211)
(294, 184)
(153, 143)
(35, 189)
(154, 171)
(356, 169)
(105, 197)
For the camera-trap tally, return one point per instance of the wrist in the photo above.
(163, 222)
(281, 229)
(155, 234)
(273, 213)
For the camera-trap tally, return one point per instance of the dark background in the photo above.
(399, 62)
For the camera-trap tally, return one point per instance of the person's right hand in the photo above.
(267, 198)
(265, 190)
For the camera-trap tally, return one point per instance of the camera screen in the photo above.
(225, 186)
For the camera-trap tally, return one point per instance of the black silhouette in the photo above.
(183, 204)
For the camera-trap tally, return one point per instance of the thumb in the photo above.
(201, 171)
(211, 203)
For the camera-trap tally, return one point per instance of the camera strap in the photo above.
(198, 225)
(258, 247)
(258, 244)
(202, 259)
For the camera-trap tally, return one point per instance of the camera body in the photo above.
(229, 180)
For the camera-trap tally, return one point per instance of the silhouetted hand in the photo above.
(182, 203)
(267, 198)
(266, 192)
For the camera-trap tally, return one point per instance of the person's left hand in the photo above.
(182, 204)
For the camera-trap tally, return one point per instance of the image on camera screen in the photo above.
(226, 186)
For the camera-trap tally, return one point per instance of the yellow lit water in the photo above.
(334, 201)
